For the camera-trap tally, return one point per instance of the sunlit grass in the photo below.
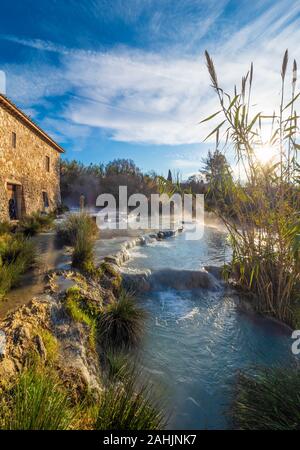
(37, 401)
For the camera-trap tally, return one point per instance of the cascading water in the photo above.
(197, 339)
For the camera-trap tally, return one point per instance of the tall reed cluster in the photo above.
(261, 209)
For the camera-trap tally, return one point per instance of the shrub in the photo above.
(17, 255)
(6, 279)
(35, 223)
(80, 231)
(121, 323)
(268, 400)
(260, 212)
(36, 402)
(14, 246)
(83, 252)
(129, 406)
(68, 230)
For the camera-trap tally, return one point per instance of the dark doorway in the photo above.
(12, 201)
(15, 201)
(45, 201)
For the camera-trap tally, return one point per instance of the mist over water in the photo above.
(196, 339)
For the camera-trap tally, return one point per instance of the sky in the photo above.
(127, 78)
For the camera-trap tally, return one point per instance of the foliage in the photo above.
(92, 180)
(268, 400)
(170, 179)
(17, 256)
(80, 231)
(129, 406)
(81, 311)
(51, 344)
(36, 402)
(75, 224)
(219, 179)
(261, 214)
(121, 323)
(36, 223)
(117, 362)
(83, 252)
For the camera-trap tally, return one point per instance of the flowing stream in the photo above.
(197, 339)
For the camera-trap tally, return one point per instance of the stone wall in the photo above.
(25, 166)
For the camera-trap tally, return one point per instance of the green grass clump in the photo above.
(83, 252)
(80, 231)
(268, 400)
(17, 256)
(36, 402)
(50, 343)
(92, 309)
(80, 311)
(13, 246)
(67, 231)
(35, 223)
(121, 323)
(129, 405)
(8, 275)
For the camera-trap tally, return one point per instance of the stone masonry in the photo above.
(29, 164)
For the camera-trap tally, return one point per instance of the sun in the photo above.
(266, 154)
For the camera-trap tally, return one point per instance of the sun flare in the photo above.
(266, 154)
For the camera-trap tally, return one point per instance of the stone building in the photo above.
(29, 165)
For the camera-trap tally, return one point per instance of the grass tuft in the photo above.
(36, 402)
(35, 223)
(68, 230)
(268, 400)
(80, 231)
(17, 256)
(129, 406)
(121, 323)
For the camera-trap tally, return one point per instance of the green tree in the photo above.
(217, 173)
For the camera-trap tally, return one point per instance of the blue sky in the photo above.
(127, 78)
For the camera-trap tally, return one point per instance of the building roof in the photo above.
(14, 110)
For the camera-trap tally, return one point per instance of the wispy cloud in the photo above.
(158, 97)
